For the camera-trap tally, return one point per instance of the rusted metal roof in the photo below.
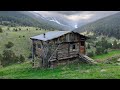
(50, 35)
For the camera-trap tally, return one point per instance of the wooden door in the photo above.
(82, 47)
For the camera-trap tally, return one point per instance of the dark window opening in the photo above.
(73, 46)
(82, 43)
(39, 45)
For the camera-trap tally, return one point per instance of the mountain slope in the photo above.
(15, 18)
(25, 18)
(109, 26)
(55, 21)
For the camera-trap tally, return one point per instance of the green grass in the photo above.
(72, 71)
(22, 45)
(105, 56)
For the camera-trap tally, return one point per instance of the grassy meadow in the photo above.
(22, 45)
(20, 38)
(71, 71)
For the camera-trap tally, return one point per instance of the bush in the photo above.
(30, 55)
(1, 30)
(105, 51)
(8, 28)
(9, 57)
(90, 54)
(16, 30)
(98, 51)
(9, 45)
(88, 46)
(19, 29)
(0, 59)
(21, 58)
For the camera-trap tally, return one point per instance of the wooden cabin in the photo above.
(56, 46)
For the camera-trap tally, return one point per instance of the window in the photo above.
(39, 45)
(73, 46)
(82, 43)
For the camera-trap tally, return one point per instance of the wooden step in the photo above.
(86, 59)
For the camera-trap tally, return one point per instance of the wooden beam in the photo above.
(32, 53)
(68, 49)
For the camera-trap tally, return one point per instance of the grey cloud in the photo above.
(69, 12)
(77, 17)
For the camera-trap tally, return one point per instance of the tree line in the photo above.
(108, 26)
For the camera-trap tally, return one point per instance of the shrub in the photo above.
(8, 28)
(19, 29)
(30, 55)
(1, 30)
(9, 45)
(105, 51)
(98, 51)
(88, 46)
(1, 59)
(16, 30)
(90, 54)
(21, 58)
(9, 57)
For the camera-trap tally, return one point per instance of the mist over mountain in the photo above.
(108, 26)
(53, 20)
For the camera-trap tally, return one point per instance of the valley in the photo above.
(103, 46)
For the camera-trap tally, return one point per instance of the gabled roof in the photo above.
(50, 35)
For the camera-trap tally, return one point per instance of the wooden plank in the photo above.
(32, 53)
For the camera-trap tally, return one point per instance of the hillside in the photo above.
(21, 18)
(20, 38)
(22, 45)
(57, 22)
(109, 26)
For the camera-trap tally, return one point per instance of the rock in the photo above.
(103, 70)
(118, 60)
(118, 63)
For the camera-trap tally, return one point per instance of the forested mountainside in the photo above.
(22, 18)
(19, 18)
(109, 26)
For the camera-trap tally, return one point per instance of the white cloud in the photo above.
(79, 17)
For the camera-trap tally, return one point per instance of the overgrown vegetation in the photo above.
(8, 57)
(1, 30)
(9, 45)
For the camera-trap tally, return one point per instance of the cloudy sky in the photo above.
(77, 17)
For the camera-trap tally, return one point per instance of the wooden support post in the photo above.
(79, 47)
(57, 56)
(84, 48)
(68, 49)
(32, 53)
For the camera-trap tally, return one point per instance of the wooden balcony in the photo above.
(63, 56)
